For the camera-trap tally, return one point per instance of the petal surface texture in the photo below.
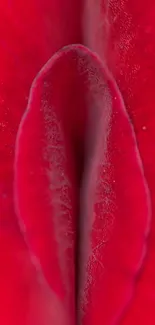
(48, 168)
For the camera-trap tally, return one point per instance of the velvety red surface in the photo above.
(77, 162)
(129, 52)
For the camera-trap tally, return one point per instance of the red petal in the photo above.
(115, 205)
(122, 32)
(30, 34)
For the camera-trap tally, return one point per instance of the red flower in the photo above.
(76, 173)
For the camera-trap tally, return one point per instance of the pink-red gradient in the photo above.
(77, 157)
